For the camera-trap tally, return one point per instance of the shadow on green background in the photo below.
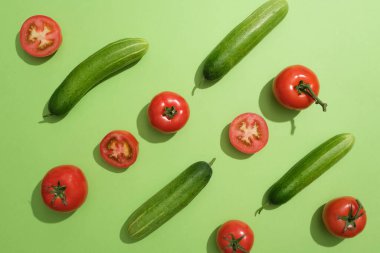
(319, 232)
(146, 131)
(272, 110)
(227, 148)
(42, 212)
(211, 242)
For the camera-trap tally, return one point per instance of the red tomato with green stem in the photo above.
(234, 236)
(168, 112)
(297, 87)
(40, 36)
(344, 217)
(64, 188)
(119, 148)
(249, 133)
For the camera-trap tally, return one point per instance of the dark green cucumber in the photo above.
(108, 60)
(310, 168)
(168, 201)
(243, 38)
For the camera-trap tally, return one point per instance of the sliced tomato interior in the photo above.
(248, 133)
(119, 151)
(40, 36)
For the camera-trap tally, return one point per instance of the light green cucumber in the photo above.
(112, 58)
(168, 201)
(243, 38)
(309, 168)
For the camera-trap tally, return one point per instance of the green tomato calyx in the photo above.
(304, 88)
(59, 192)
(350, 219)
(169, 112)
(235, 243)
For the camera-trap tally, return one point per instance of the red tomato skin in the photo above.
(75, 182)
(55, 35)
(238, 229)
(257, 144)
(156, 111)
(120, 135)
(284, 87)
(340, 207)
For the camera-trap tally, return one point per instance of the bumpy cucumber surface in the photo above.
(108, 60)
(243, 38)
(168, 201)
(310, 168)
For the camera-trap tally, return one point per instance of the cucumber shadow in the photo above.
(272, 110)
(41, 212)
(227, 148)
(211, 242)
(27, 58)
(146, 131)
(319, 232)
(200, 82)
(265, 203)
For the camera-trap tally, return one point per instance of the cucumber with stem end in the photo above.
(309, 168)
(109, 60)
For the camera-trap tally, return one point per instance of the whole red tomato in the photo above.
(297, 87)
(119, 148)
(64, 188)
(234, 236)
(168, 112)
(344, 217)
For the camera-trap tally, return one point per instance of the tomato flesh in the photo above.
(119, 148)
(40, 36)
(248, 133)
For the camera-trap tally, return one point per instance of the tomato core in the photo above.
(119, 151)
(249, 133)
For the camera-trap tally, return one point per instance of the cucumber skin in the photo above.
(243, 38)
(168, 201)
(310, 168)
(108, 60)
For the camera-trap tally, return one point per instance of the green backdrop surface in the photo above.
(339, 40)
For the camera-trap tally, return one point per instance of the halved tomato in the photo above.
(119, 148)
(40, 36)
(248, 133)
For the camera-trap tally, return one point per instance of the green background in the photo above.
(338, 39)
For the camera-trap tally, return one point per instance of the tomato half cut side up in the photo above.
(249, 133)
(40, 36)
(119, 148)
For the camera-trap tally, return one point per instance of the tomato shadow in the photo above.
(319, 232)
(227, 148)
(199, 81)
(211, 242)
(42, 212)
(146, 131)
(272, 110)
(31, 60)
(99, 160)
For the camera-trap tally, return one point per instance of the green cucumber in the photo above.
(112, 58)
(168, 201)
(309, 168)
(243, 38)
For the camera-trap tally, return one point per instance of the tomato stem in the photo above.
(59, 192)
(350, 219)
(235, 244)
(169, 112)
(306, 89)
